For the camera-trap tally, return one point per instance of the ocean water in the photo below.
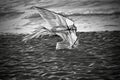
(96, 58)
(88, 15)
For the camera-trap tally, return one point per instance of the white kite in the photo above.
(56, 25)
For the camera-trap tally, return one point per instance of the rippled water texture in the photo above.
(97, 58)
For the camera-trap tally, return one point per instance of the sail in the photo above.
(56, 24)
(53, 19)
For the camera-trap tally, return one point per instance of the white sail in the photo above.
(56, 24)
(53, 19)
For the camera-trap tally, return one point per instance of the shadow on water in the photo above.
(97, 58)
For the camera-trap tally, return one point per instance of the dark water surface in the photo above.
(97, 58)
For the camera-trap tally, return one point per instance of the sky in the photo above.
(11, 10)
(65, 6)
